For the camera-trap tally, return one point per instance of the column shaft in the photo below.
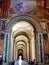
(6, 48)
(40, 44)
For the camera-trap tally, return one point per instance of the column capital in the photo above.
(7, 31)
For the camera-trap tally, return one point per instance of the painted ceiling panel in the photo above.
(22, 6)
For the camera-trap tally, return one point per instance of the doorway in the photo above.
(20, 53)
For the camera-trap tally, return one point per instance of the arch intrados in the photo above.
(22, 33)
(19, 50)
(21, 36)
(21, 41)
(21, 45)
(30, 19)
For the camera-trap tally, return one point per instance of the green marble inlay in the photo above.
(41, 48)
(6, 48)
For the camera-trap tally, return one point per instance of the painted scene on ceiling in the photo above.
(22, 6)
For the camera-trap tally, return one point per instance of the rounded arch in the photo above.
(26, 34)
(20, 50)
(32, 21)
(20, 44)
(21, 41)
(21, 37)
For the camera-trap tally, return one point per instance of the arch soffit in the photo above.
(21, 36)
(24, 34)
(20, 45)
(21, 32)
(35, 23)
(21, 41)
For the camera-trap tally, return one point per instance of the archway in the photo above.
(20, 53)
(23, 30)
(28, 27)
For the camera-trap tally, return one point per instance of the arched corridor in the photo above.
(23, 37)
(23, 33)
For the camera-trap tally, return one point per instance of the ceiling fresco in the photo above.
(22, 6)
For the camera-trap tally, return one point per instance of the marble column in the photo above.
(28, 50)
(40, 49)
(11, 48)
(6, 47)
(14, 52)
(33, 47)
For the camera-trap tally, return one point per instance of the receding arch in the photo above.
(22, 33)
(20, 52)
(20, 44)
(21, 41)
